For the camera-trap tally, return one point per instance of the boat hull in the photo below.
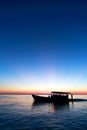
(41, 99)
(56, 99)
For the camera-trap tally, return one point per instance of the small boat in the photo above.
(41, 98)
(58, 97)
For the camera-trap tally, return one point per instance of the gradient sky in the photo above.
(43, 45)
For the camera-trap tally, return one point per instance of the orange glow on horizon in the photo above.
(37, 92)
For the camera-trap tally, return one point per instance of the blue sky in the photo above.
(43, 43)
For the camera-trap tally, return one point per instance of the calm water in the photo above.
(20, 113)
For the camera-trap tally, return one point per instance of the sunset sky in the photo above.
(43, 45)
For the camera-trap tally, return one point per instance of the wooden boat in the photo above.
(40, 98)
(58, 97)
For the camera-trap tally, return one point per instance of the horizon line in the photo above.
(42, 93)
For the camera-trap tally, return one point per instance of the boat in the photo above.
(58, 97)
(40, 98)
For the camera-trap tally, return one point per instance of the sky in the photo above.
(43, 45)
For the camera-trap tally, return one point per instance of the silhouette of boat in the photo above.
(58, 97)
(41, 98)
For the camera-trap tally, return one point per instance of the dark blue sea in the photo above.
(19, 112)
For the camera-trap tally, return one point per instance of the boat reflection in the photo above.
(50, 107)
(56, 107)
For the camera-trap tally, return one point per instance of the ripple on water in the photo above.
(20, 113)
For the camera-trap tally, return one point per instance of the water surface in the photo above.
(19, 112)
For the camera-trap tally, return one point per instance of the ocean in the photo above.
(19, 112)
